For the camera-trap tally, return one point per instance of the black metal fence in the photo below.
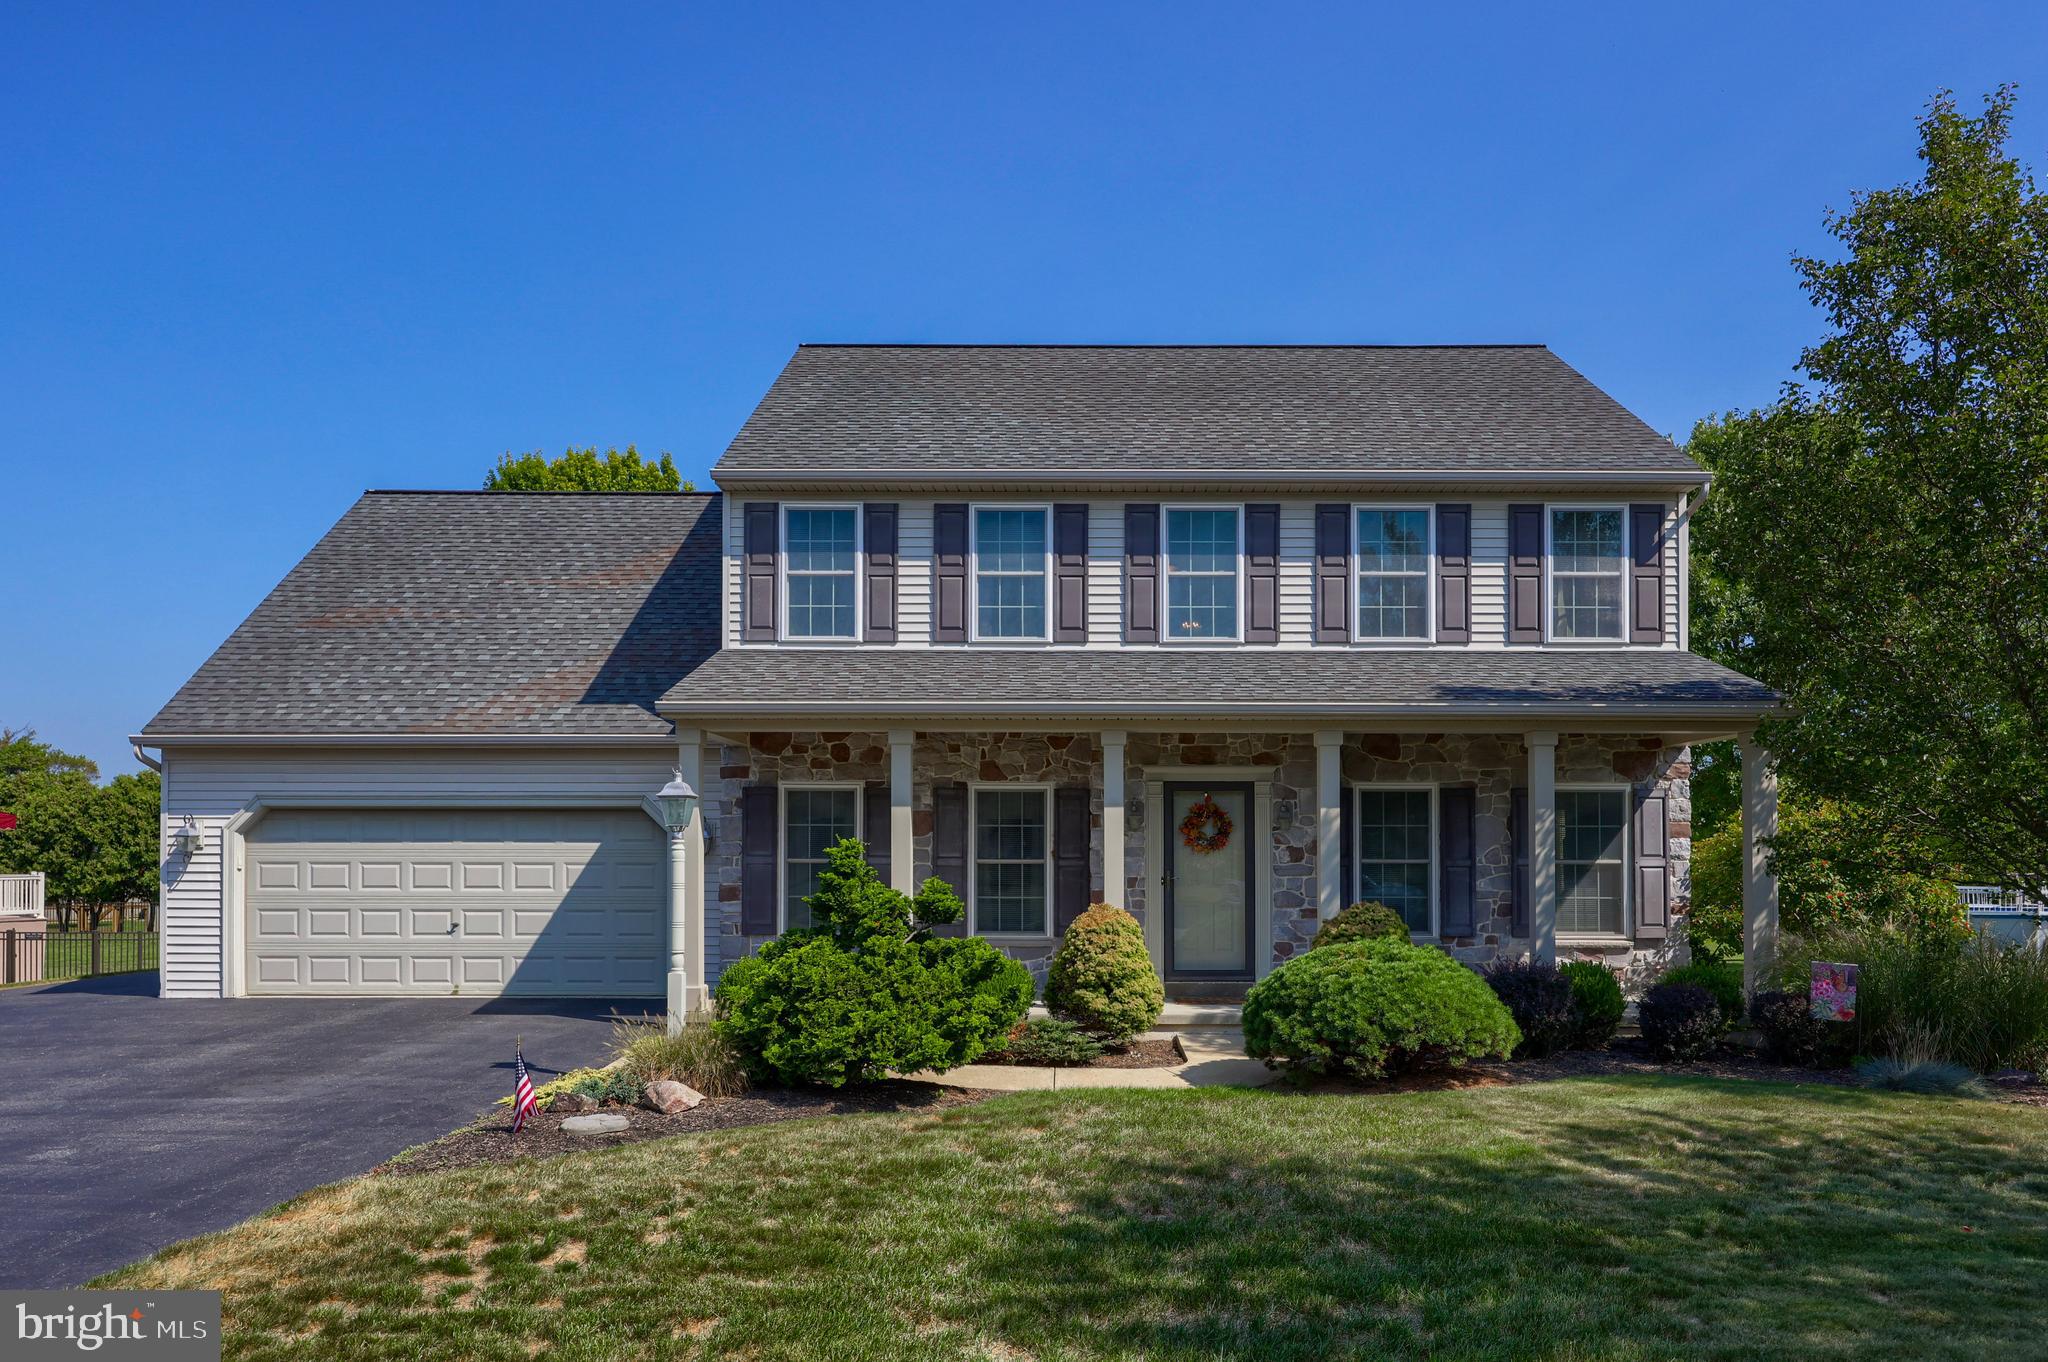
(37, 957)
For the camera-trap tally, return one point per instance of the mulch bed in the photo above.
(1164, 1053)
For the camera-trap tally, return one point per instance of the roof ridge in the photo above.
(523, 492)
(1172, 345)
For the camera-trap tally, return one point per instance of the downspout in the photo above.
(147, 760)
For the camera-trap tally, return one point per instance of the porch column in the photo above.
(1543, 845)
(1115, 882)
(1759, 885)
(902, 869)
(686, 952)
(1329, 823)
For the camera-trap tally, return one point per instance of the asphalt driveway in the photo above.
(128, 1122)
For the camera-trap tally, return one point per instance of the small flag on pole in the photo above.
(523, 1104)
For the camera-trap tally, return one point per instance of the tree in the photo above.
(95, 845)
(581, 470)
(1881, 532)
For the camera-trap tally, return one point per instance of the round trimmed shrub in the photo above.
(1373, 1007)
(1102, 978)
(1792, 1034)
(1596, 1002)
(1679, 1021)
(1540, 1000)
(1360, 922)
(1723, 979)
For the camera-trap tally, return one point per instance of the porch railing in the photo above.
(42, 957)
(21, 895)
(1991, 896)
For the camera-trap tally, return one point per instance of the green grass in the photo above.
(1599, 1218)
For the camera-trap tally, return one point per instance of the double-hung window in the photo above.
(1012, 861)
(821, 567)
(1587, 567)
(1396, 835)
(1592, 857)
(1012, 564)
(1393, 572)
(813, 818)
(1203, 565)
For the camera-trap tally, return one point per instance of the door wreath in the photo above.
(1206, 828)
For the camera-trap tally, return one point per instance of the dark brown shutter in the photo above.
(949, 572)
(1454, 573)
(1646, 573)
(1457, 858)
(759, 840)
(760, 523)
(1653, 868)
(1070, 572)
(949, 846)
(1518, 843)
(1141, 573)
(1069, 854)
(878, 540)
(874, 817)
(1347, 847)
(1333, 574)
(1525, 574)
(1262, 573)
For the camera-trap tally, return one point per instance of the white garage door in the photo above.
(567, 903)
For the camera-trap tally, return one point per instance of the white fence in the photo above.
(21, 895)
(2006, 915)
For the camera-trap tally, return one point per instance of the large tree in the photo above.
(584, 470)
(1876, 543)
(96, 845)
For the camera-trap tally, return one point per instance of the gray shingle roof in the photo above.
(1239, 680)
(468, 614)
(910, 412)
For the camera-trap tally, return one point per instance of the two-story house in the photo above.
(1228, 635)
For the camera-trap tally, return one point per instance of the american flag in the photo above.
(523, 1104)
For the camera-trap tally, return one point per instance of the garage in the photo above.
(525, 902)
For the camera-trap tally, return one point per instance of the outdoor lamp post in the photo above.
(677, 801)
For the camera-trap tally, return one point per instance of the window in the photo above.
(820, 565)
(1011, 565)
(1201, 571)
(1393, 572)
(1012, 861)
(1394, 857)
(1592, 826)
(813, 818)
(1586, 567)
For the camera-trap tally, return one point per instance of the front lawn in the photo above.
(1590, 1218)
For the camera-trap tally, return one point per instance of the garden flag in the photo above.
(523, 1104)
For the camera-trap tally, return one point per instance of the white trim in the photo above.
(1431, 890)
(420, 741)
(1166, 574)
(1429, 558)
(974, 510)
(782, 790)
(782, 570)
(974, 792)
(1550, 510)
(770, 481)
(1628, 853)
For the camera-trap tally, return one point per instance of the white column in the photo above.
(1329, 823)
(686, 948)
(1543, 845)
(1759, 885)
(902, 844)
(1115, 882)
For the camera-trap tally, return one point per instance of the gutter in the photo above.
(1713, 710)
(733, 479)
(663, 742)
(152, 763)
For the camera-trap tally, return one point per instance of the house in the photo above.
(1230, 635)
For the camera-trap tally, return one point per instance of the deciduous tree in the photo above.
(583, 470)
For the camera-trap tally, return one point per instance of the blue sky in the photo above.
(255, 260)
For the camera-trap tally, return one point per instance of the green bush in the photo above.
(1539, 999)
(1792, 1034)
(1680, 1021)
(607, 1085)
(865, 991)
(1373, 1007)
(1360, 922)
(1052, 1041)
(1931, 1077)
(1597, 1004)
(1721, 978)
(1102, 976)
(697, 1055)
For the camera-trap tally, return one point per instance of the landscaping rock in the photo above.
(572, 1102)
(602, 1123)
(669, 1097)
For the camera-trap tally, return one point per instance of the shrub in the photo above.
(608, 1085)
(1372, 1007)
(1680, 1021)
(698, 1055)
(1792, 1034)
(1723, 979)
(1360, 922)
(1539, 998)
(1597, 1004)
(1102, 975)
(1932, 1077)
(1053, 1041)
(865, 992)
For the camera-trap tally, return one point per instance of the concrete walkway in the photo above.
(1216, 1059)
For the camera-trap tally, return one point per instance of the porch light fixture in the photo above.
(190, 838)
(678, 800)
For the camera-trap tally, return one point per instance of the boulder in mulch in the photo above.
(669, 1097)
(598, 1123)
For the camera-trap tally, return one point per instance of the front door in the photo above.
(1209, 882)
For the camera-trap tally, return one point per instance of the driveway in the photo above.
(128, 1122)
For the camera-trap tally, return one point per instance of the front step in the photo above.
(1208, 992)
(1186, 1017)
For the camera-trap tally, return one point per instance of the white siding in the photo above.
(914, 572)
(213, 784)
